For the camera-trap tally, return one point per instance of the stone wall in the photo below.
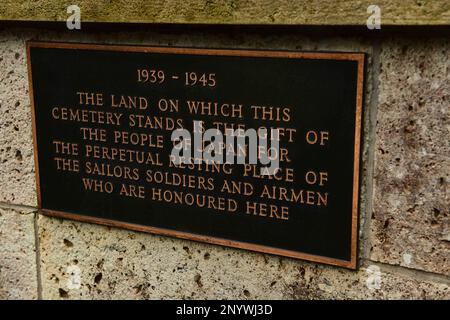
(267, 12)
(404, 217)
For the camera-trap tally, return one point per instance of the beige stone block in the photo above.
(266, 12)
(16, 144)
(411, 218)
(87, 261)
(18, 272)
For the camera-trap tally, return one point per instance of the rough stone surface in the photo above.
(16, 145)
(411, 218)
(18, 275)
(287, 12)
(86, 261)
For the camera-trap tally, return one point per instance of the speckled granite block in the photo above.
(16, 144)
(18, 275)
(411, 219)
(86, 261)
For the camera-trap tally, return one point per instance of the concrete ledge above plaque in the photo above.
(104, 117)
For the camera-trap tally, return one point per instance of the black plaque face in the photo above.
(103, 118)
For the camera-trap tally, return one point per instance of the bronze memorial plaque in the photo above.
(258, 150)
